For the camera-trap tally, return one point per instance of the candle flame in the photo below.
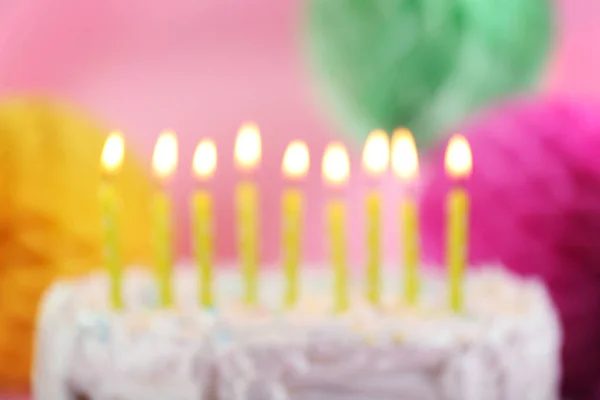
(336, 164)
(205, 159)
(247, 150)
(458, 160)
(164, 159)
(376, 153)
(405, 159)
(296, 160)
(113, 153)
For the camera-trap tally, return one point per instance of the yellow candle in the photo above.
(205, 163)
(295, 166)
(375, 164)
(164, 163)
(247, 223)
(247, 157)
(336, 172)
(457, 208)
(112, 158)
(336, 221)
(373, 211)
(291, 214)
(410, 245)
(405, 164)
(458, 163)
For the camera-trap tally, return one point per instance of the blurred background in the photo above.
(71, 71)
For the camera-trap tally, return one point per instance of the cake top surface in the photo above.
(495, 301)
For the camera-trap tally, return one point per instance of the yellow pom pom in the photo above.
(50, 216)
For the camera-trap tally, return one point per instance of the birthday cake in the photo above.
(504, 345)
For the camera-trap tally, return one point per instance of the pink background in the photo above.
(204, 67)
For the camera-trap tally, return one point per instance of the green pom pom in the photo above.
(423, 64)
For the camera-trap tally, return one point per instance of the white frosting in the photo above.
(504, 346)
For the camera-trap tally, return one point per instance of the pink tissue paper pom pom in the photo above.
(535, 206)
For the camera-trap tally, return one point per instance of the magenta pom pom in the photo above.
(535, 193)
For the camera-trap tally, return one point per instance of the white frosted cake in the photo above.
(505, 345)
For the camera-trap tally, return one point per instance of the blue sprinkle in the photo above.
(224, 337)
(95, 324)
(149, 296)
(103, 331)
(211, 310)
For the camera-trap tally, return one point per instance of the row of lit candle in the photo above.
(295, 165)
